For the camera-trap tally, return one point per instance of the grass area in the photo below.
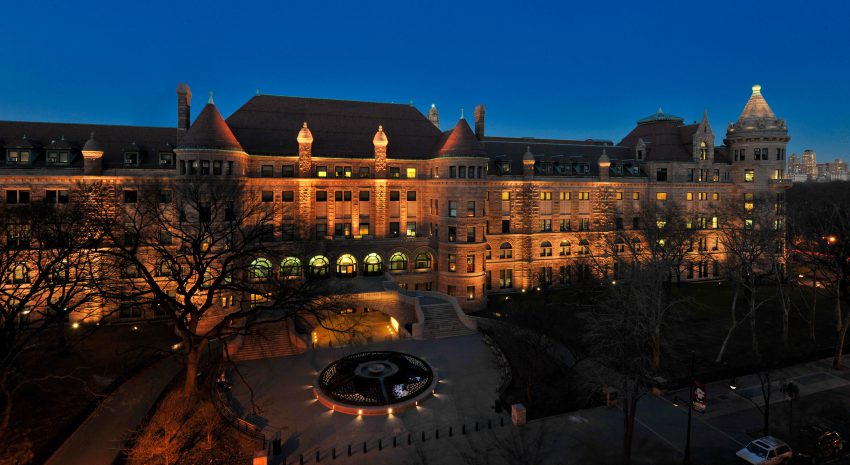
(93, 364)
(699, 325)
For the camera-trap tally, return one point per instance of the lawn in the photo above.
(96, 361)
(699, 325)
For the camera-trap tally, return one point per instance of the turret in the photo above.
(305, 152)
(434, 116)
(528, 164)
(92, 157)
(604, 166)
(380, 142)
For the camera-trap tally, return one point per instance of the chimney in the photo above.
(380, 142)
(604, 166)
(528, 164)
(434, 116)
(184, 102)
(479, 122)
(92, 157)
(305, 152)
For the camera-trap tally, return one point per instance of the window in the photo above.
(635, 195)
(545, 195)
(546, 225)
(287, 171)
(423, 261)
(318, 267)
(411, 229)
(506, 279)
(636, 222)
(267, 196)
(488, 252)
(452, 208)
(287, 196)
(229, 168)
(364, 229)
(757, 154)
(452, 172)
(21, 274)
(470, 263)
(461, 172)
(503, 166)
(364, 172)
(661, 196)
(287, 232)
(545, 249)
(56, 196)
(506, 251)
(394, 229)
(398, 262)
(321, 230)
(470, 234)
(584, 195)
(703, 151)
(346, 266)
(131, 158)
(470, 208)
(18, 156)
(62, 157)
(544, 277)
(394, 196)
(583, 247)
(452, 234)
(130, 196)
(749, 175)
(342, 230)
(565, 224)
(290, 267)
(411, 173)
(321, 171)
(565, 249)
(689, 196)
(715, 196)
(395, 172)
(452, 262)
(506, 226)
(342, 196)
(470, 292)
(584, 224)
(618, 195)
(661, 174)
(373, 265)
(267, 171)
(343, 171)
(618, 223)
(565, 195)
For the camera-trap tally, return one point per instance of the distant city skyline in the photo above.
(551, 71)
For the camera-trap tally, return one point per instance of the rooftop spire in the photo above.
(757, 106)
(210, 101)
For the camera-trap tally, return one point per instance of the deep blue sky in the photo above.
(584, 70)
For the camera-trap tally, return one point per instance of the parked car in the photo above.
(765, 451)
(818, 443)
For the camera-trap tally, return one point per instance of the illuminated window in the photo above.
(545, 249)
(373, 265)
(318, 266)
(346, 265)
(506, 195)
(565, 195)
(703, 151)
(290, 267)
(635, 195)
(660, 196)
(703, 195)
(545, 195)
(321, 171)
(715, 196)
(584, 195)
(452, 262)
(618, 195)
(689, 196)
(423, 261)
(565, 249)
(411, 173)
(749, 175)
(411, 229)
(398, 262)
(261, 268)
(21, 274)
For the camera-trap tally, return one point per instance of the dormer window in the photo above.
(166, 159)
(639, 155)
(703, 151)
(504, 166)
(131, 158)
(618, 169)
(58, 157)
(18, 156)
(544, 167)
(581, 168)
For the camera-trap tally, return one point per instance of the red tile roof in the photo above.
(209, 131)
(461, 142)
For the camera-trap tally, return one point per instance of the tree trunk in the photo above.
(193, 358)
(838, 360)
(629, 407)
(656, 347)
(731, 327)
(767, 407)
(6, 420)
(751, 300)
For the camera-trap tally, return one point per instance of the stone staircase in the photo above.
(442, 321)
(267, 341)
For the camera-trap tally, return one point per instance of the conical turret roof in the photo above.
(757, 106)
(461, 142)
(209, 131)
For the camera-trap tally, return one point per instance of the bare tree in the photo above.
(205, 253)
(47, 273)
(752, 238)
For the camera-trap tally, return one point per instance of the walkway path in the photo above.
(99, 439)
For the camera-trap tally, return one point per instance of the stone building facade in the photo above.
(379, 189)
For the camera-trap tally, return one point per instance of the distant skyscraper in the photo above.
(810, 164)
(794, 165)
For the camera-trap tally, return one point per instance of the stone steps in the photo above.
(267, 341)
(442, 321)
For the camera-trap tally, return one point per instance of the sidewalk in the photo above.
(98, 440)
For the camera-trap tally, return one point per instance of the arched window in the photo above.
(318, 266)
(506, 251)
(398, 262)
(373, 265)
(619, 245)
(636, 245)
(565, 248)
(583, 247)
(545, 249)
(488, 252)
(423, 261)
(60, 273)
(703, 151)
(290, 267)
(346, 265)
(261, 268)
(21, 274)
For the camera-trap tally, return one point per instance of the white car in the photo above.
(765, 451)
